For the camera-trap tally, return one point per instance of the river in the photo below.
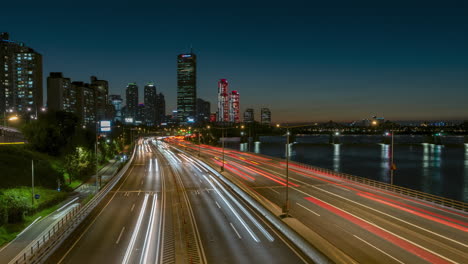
(436, 169)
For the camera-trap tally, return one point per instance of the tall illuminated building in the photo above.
(60, 93)
(234, 111)
(249, 115)
(151, 101)
(265, 116)
(101, 90)
(20, 77)
(223, 101)
(131, 98)
(186, 88)
(116, 101)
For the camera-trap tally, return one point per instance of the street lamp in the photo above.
(286, 206)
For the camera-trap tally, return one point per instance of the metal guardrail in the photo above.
(459, 205)
(53, 236)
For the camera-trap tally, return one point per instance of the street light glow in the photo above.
(13, 118)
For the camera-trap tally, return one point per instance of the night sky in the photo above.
(306, 62)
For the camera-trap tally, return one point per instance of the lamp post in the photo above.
(199, 144)
(32, 181)
(286, 206)
(96, 154)
(222, 142)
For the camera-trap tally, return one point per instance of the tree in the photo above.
(56, 132)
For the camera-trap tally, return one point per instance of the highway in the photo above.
(167, 209)
(367, 224)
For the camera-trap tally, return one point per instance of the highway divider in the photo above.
(43, 246)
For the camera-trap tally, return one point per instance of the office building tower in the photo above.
(141, 115)
(20, 77)
(131, 101)
(186, 87)
(151, 101)
(61, 96)
(116, 101)
(249, 115)
(223, 101)
(86, 104)
(234, 111)
(265, 116)
(101, 90)
(203, 110)
(161, 104)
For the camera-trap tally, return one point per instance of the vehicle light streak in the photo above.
(128, 253)
(149, 233)
(415, 213)
(255, 238)
(307, 172)
(236, 172)
(415, 249)
(259, 226)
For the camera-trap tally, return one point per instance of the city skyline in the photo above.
(394, 63)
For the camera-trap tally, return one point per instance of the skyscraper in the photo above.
(234, 111)
(101, 90)
(85, 103)
(161, 104)
(60, 93)
(203, 110)
(131, 101)
(265, 116)
(116, 101)
(249, 115)
(186, 87)
(20, 77)
(223, 101)
(151, 101)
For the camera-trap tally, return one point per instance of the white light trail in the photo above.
(128, 253)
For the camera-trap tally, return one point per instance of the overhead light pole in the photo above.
(286, 205)
(222, 142)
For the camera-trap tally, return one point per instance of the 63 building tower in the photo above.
(186, 88)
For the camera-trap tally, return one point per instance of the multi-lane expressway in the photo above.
(169, 209)
(367, 224)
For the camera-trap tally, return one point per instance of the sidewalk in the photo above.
(11, 250)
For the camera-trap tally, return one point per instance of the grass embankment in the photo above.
(16, 208)
(22, 196)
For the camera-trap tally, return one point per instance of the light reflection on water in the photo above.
(336, 157)
(385, 163)
(437, 169)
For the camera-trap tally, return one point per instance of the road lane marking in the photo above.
(370, 208)
(218, 204)
(256, 223)
(307, 209)
(378, 249)
(133, 206)
(94, 220)
(252, 234)
(235, 230)
(121, 232)
(149, 233)
(131, 245)
(274, 190)
(406, 244)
